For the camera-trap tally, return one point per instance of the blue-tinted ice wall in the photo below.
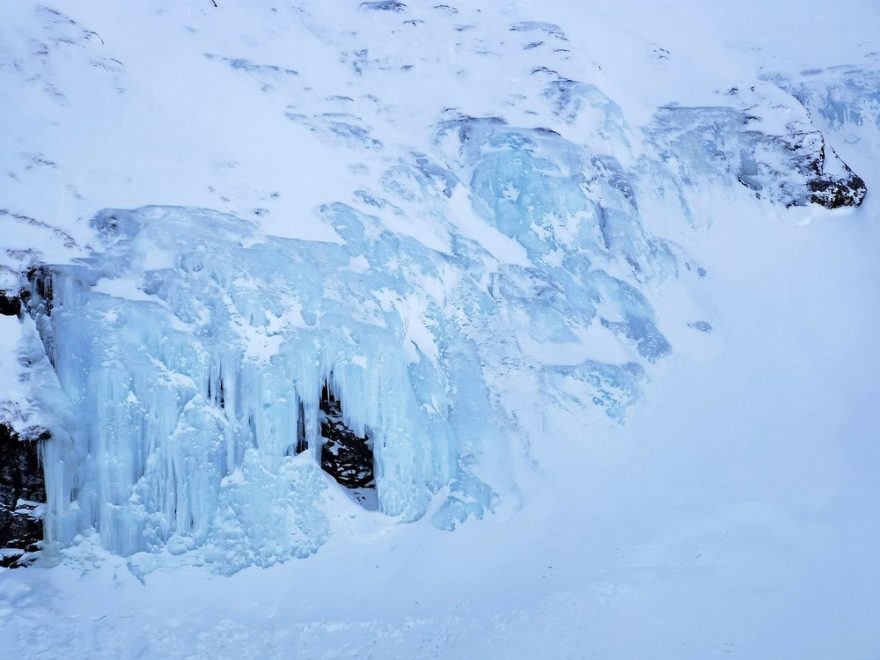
(192, 348)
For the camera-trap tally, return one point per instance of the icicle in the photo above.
(197, 387)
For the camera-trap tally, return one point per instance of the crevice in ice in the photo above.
(301, 442)
(345, 455)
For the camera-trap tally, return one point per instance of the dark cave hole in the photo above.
(345, 455)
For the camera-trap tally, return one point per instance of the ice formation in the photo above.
(194, 352)
(464, 271)
(841, 95)
(189, 396)
(212, 371)
(764, 140)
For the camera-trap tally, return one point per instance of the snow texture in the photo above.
(592, 283)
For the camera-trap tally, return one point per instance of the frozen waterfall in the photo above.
(193, 351)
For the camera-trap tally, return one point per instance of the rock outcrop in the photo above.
(10, 303)
(766, 141)
(22, 494)
(346, 456)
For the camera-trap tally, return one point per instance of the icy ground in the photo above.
(574, 251)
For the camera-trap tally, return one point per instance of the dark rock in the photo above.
(833, 194)
(794, 167)
(40, 279)
(384, 5)
(831, 190)
(22, 493)
(10, 304)
(345, 456)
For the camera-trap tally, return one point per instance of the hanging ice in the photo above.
(192, 361)
(195, 352)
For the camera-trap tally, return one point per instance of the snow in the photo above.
(622, 407)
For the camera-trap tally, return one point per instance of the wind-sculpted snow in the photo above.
(588, 111)
(242, 64)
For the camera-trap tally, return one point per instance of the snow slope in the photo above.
(672, 351)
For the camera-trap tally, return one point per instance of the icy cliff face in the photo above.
(455, 256)
(764, 140)
(194, 352)
(190, 396)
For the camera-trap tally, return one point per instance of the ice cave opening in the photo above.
(345, 455)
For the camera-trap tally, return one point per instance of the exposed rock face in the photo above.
(802, 171)
(830, 182)
(834, 194)
(347, 457)
(10, 303)
(22, 493)
(768, 145)
(847, 190)
(39, 296)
